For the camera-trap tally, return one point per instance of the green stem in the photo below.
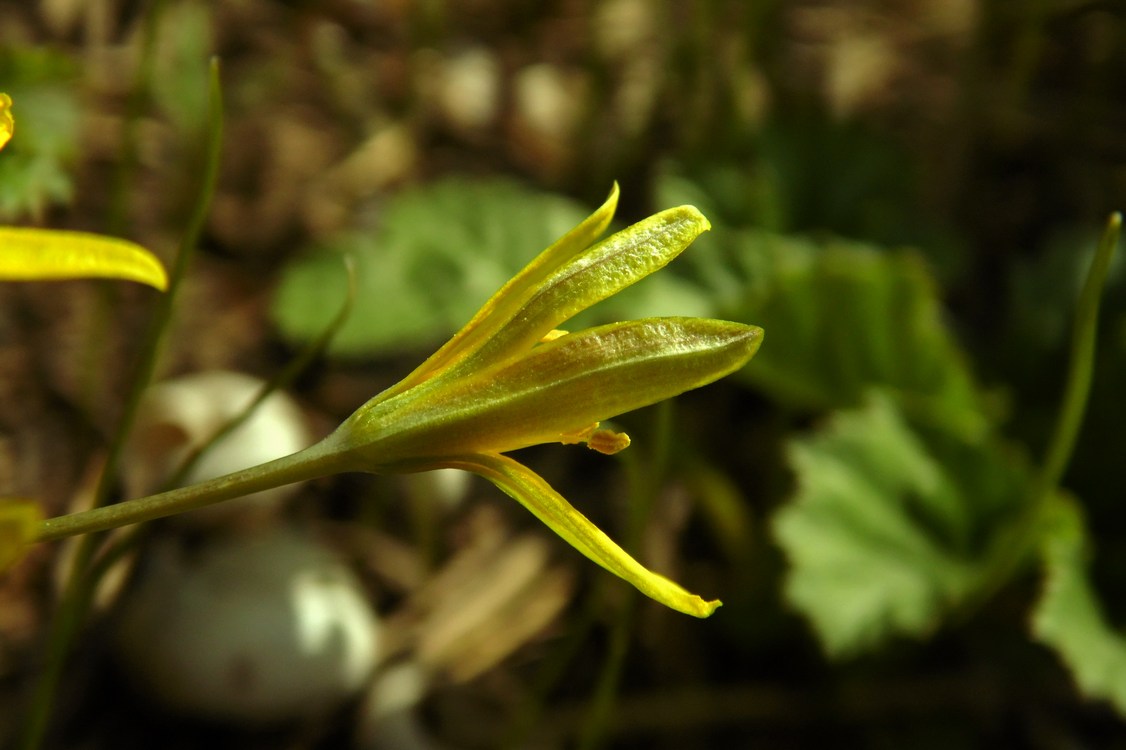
(1082, 363)
(319, 460)
(1014, 546)
(79, 586)
(162, 313)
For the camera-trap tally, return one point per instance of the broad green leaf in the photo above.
(7, 124)
(47, 254)
(844, 317)
(19, 521)
(1069, 617)
(440, 252)
(879, 535)
(780, 184)
(531, 491)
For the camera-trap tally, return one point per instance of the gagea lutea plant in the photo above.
(507, 380)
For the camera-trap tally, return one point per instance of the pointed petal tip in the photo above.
(32, 254)
(753, 336)
(705, 225)
(605, 213)
(530, 490)
(741, 337)
(706, 608)
(690, 215)
(687, 603)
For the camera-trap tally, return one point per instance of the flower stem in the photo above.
(1081, 364)
(316, 461)
(1016, 543)
(79, 587)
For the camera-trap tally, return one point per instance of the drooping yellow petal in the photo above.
(47, 254)
(496, 313)
(7, 124)
(553, 393)
(19, 521)
(530, 490)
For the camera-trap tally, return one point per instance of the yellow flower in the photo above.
(509, 380)
(28, 254)
(7, 124)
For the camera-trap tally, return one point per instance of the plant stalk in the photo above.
(319, 460)
(1016, 545)
(1081, 364)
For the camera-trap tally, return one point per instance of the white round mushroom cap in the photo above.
(255, 629)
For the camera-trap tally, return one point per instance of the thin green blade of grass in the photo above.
(74, 603)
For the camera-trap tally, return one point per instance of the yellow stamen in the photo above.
(608, 442)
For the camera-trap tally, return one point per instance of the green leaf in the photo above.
(19, 521)
(844, 317)
(441, 251)
(1069, 617)
(34, 167)
(879, 534)
(777, 180)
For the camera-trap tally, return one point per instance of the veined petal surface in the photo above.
(499, 310)
(589, 277)
(555, 390)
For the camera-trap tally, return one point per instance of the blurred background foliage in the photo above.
(906, 196)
